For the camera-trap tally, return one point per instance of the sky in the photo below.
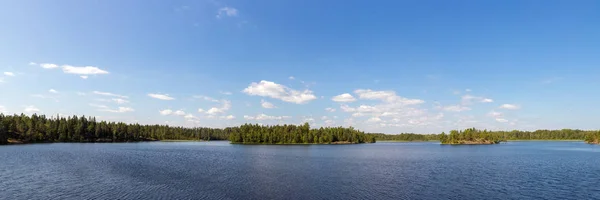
(379, 66)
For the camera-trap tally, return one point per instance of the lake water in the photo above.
(219, 170)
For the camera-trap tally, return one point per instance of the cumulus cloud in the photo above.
(386, 96)
(109, 94)
(510, 106)
(9, 74)
(165, 112)
(200, 110)
(161, 96)
(495, 114)
(31, 109)
(501, 120)
(343, 98)
(87, 70)
(179, 113)
(217, 110)
(52, 91)
(262, 117)
(266, 104)
(277, 91)
(227, 11)
(330, 109)
(32, 63)
(48, 66)
(228, 117)
(456, 108)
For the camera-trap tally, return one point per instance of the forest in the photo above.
(593, 137)
(39, 129)
(470, 136)
(473, 135)
(292, 134)
(404, 137)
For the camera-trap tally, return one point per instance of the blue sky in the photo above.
(381, 66)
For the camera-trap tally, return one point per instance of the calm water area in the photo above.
(219, 170)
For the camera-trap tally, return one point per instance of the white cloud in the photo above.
(469, 99)
(190, 116)
(330, 109)
(324, 118)
(501, 120)
(277, 91)
(510, 106)
(98, 105)
(217, 110)
(343, 98)
(84, 77)
(31, 109)
(81, 93)
(119, 110)
(109, 94)
(161, 96)
(456, 108)
(373, 120)
(166, 112)
(386, 96)
(228, 117)
(495, 114)
(200, 110)
(9, 74)
(87, 70)
(227, 11)
(3, 110)
(52, 91)
(206, 98)
(32, 63)
(291, 78)
(266, 104)
(119, 101)
(179, 113)
(48, 65)
(262, 117)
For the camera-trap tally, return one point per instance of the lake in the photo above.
(219, 170)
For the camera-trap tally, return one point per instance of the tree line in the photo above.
(473, 135)
(404, 137)
(39, 128)
(294, 134)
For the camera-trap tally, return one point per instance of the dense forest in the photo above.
(470, 136)
(473, 135)
(292, 134)
(593, 137)
(39, 128)
(404, 137)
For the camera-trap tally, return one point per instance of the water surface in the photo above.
(218, 170)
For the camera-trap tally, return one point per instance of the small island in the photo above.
(469, 136)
